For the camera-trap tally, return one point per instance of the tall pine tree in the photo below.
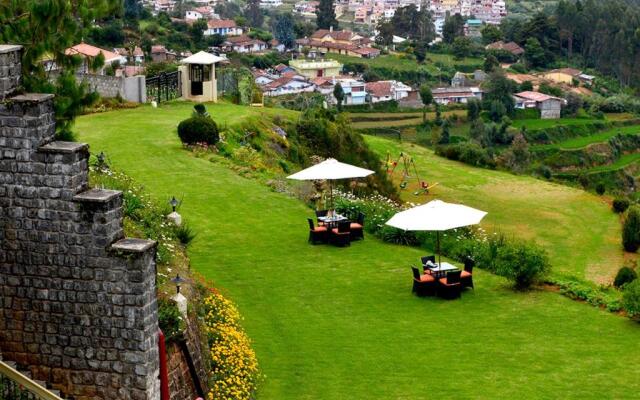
(326, 15)
(253, 13)
(46, 28)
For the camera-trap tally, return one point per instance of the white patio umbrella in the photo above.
(436, 216)
(330, 169)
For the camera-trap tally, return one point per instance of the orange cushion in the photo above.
(465, 274)
(355, 226)
(427, 278)
(444, 282)
(320, 229)
(335, 230)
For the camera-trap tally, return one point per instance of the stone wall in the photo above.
(131, 88)
(77, 299)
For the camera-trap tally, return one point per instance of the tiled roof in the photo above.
(221, 23)
(379, 89)
(535, 96)
(511, 47)
(568, 71)
(88, 50)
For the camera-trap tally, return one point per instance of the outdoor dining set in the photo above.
(335, 229)
(441, 279)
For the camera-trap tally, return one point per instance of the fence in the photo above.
(164, 87)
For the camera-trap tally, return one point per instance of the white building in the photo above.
(223, 27)
(270, 3)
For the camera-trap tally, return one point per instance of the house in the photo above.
(460, 79)
(473, 28)
(287, 85)
(270, 3)
(244, 44)
(137, 56)
(341, 42)
(563, 75)
(449, 95)
(88, 52)
(387, 90)
(510, 47)
(306, 8)
(195, 14)
(313, 69)
(355, 91)
(281, 68)
(586, 79)
(550, 107)
(324, 86)
(161, 54)
(274, 44)
(165, 6)
(223, 27)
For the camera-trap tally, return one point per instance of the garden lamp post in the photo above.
(179, 298)
(174, 203)
(178, 280)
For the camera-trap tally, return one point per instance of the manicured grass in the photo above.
(333, 323)
(583, 141)
(404, 64)
(620, 163)
(564, 220)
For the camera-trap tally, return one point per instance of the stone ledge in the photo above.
(131, 245)
(32, 98)
(97, 196)
(64, 147)
(9, 48)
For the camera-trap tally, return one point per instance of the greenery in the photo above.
(358, 298)
(169, 318)
(631, 299)
(624, 276)
(326, 15)
(198, 129)
(620, 205)
(522, 263)
(631, 230)
(598, 296)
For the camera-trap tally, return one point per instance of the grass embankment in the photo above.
(395, 62)
(394, 120)
(600, 137)
(334, 323)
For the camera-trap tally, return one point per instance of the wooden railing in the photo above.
(14, 385)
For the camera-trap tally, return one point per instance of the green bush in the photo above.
(631, 299)
(598, 296)
(522, 263)
(631, 230)
(169, 318)
(624, 276)
(468, 153)
(620, 205)
(398, 236)
(600, 188)
(198, 129)
(185, 234)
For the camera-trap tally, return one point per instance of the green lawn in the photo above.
(533, 124)
(404, 64)
(620, 163)
(333, 323)
(583, 141)
(392, 120)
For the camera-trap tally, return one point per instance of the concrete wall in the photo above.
(131, 88)
(77, 299)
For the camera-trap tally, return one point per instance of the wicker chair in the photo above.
(317, 234)
(466, 277)
(450, 287)
(341, 236)
(321, 213)
(357, 228)
(423, 285)
(425, 260)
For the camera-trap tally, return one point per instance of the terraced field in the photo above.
(583, 141)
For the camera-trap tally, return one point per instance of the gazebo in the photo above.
(198, 75)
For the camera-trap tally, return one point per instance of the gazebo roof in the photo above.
(203, 58)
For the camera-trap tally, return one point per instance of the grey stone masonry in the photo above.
(10, 69)
(77, 299)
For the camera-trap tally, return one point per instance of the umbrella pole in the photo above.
(438, 246)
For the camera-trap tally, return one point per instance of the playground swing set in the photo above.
(407, 164)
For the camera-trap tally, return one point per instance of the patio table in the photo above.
(332, 222)
(440, 271)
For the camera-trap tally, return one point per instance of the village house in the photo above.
(473, 28)
(205, 12)
(270, 3)
(137, 56)
(355, 91)
(244, 44)
(509, 47)
(306, 8)
(262, 77)
(165, 6)
(341, 42)
(223, 27)
(88, 52)
(161, 54)
(449, 95)
(314, 69)
(281, 68)
(387, 90)
(550, 107)
(288, 85)
(563, 75)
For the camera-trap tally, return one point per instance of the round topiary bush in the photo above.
(620, 205)
(625, 275)
(198, 129)
(631, 299)
(631, 230)
(600, 189)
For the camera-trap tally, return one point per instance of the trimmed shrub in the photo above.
(600, 188)
(620, 205)
(522, 263)
(198, 129)
(631, 299)
(625, 275)
(631, 230)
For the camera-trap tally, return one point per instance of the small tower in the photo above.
(199, 77)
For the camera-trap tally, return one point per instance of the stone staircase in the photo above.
(38, 386)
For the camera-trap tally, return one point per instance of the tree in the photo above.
(427, 98)
(196, 31)
(453, 28)
(445, 136)
(497, 110)
(491, 63)
(283, 30)
(385, 33)
(425, 28)
(132, 9)
(499, 88)
(420, 51)
(474, 107)
(253, 13)
(534, 54)
(48, 29)
(526, 86)
(338, 93)
(631, 230)
(518, 156)
(461, 47)
(326, 15)
(491, 33)
(574, 104)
